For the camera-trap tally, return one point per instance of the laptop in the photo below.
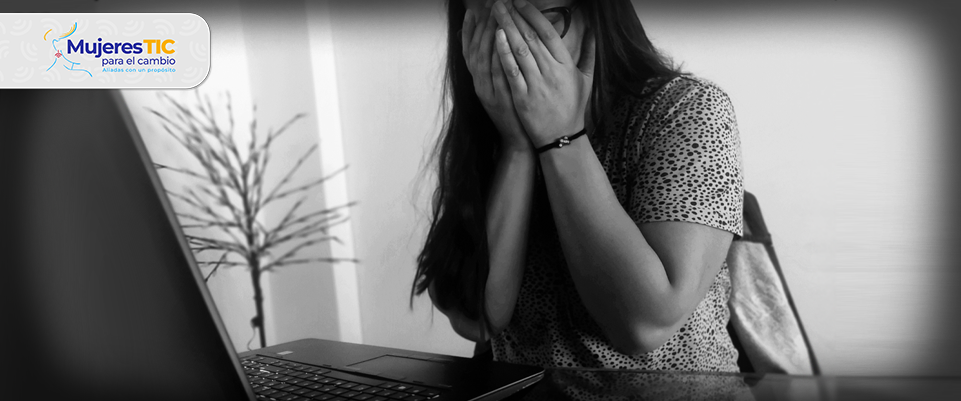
(102, 298)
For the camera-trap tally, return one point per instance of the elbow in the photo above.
(639, 338)
(475, 334)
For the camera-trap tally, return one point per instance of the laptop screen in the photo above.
(101, 297)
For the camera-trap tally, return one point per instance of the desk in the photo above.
(603, 385)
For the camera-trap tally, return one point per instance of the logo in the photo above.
(58, 55)
(103, 50)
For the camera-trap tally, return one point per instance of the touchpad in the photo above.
(430, 372)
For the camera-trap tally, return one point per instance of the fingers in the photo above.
(588, 48)
(512, 71)
(486, 46)
(498, 78)
(541, 56)
(521, 56)
(482, 21)
(545, 30)
(477, 38)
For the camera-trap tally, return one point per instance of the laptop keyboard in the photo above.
(277, 379)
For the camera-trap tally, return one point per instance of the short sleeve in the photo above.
(690, 160)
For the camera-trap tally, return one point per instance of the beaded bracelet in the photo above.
(561, 142)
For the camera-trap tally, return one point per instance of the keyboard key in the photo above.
(361, 387)
(388, 385)
(302, 391)
(362, 397)
(350, 394)
(348, 385)
(374, 390)
(390, 393)
(414, 398)
(378, 398)
(415, 390)
(429, 393)
(338, 391)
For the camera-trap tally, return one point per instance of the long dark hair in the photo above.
(455, 256)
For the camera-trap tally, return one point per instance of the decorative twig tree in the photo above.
(227, 198)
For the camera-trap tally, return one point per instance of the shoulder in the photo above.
(690, 92)
(666, 99)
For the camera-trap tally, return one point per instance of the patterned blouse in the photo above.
(671, 155)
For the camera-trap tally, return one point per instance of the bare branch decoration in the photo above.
(226, 197)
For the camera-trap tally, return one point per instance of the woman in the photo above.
(563, 249)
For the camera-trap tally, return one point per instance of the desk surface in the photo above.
(597, 385)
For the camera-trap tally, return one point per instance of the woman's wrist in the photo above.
(517, 147)
(542, 140)
(572, 150)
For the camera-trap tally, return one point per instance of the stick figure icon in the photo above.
(70, 65)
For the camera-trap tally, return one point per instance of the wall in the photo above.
(838, 107)
(388, 57)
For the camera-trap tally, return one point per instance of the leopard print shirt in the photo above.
(672, 154)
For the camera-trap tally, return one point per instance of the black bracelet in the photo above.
(561, 142)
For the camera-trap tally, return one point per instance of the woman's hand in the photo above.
(549, 90)
(490, 83)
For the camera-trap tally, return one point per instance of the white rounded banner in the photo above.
(103, 51)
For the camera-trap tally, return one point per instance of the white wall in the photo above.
(840, 125)
(388, 62)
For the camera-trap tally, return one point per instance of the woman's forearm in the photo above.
(508, 220)
(619, 277)
(508, 216)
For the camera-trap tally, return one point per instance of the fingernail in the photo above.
(468, 15)
(501, 35)
(520, 3)
(499, 7)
